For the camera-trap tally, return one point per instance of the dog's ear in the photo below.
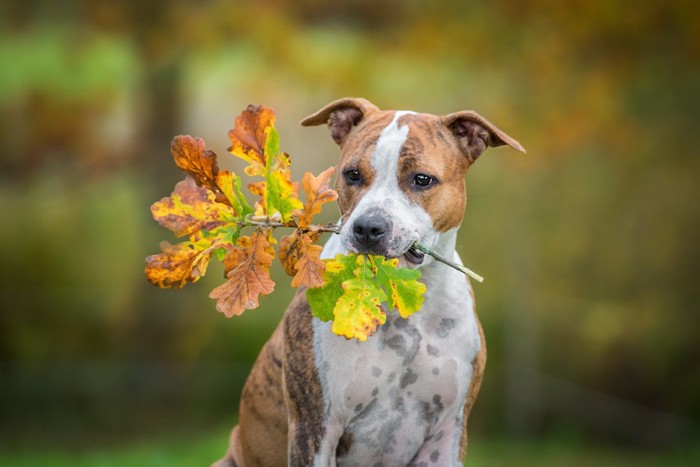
(475, 133)
(341, 116)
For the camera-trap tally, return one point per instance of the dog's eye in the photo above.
(423, 180)
(352, 176)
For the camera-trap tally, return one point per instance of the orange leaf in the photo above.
(235, 256)
(309, 268)
(318, 192)
(288, 252)
(249, 279)
(190, 208)
(260, 206)
(249, 135)
(177, 265)
(291, 249)
(190, 154)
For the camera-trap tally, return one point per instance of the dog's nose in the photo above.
(370, 231)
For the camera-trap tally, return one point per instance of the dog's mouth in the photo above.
(414, 256)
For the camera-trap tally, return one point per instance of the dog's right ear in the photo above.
(341, 116)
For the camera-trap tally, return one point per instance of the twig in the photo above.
(259, 221)
(448, 262)
(332, 228)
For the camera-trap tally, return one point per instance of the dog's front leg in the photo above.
(443, 446)
(309, 441)
(303, 453)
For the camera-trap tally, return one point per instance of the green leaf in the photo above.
(404, 292)
(355, 288)
(322, 300)
(230, 185)
(281, 196)
(272, 146)
(220, 253)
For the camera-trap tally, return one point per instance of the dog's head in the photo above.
(401, 174)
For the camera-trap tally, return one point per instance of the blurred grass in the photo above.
(202, 448)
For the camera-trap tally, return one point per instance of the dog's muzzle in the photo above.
(374, 234)
(370, 234)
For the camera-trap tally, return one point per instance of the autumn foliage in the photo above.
(209, 210)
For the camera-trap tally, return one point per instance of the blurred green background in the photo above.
(589, 243)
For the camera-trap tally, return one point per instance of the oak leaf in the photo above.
(322, 300)
(355, 288)
(291, 249)
(260, 206)
(190, 154)
(190, 208)
(309, 269)
(318, 192)
(404, 292)
(249, 137)
(249, 279)
(177, 264)
(289, 252)
(235, 255)
(358, 311)
(281, 193)
(230, 185)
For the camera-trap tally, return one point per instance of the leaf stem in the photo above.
(259, 221)
(442, 259)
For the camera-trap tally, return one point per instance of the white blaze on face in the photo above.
(385, 159)
(410, 222)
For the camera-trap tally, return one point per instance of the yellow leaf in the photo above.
(358, 312)
(190, 208)
(281, 195)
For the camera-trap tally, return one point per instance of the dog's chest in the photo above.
(386, 397)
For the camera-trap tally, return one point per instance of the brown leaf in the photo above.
(291, 250)
(309, 268)
(289, 253)
(249, 135)
(190, 154)
(318, 192)
(249, 279)
(177, 265)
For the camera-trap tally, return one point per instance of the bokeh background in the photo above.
(590, 243)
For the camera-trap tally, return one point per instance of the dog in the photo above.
(403, 396)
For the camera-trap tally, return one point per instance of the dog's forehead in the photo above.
(418, 129)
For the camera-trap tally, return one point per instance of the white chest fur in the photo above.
(398, 397)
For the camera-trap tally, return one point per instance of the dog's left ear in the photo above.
(341, 116)
(475, 133)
